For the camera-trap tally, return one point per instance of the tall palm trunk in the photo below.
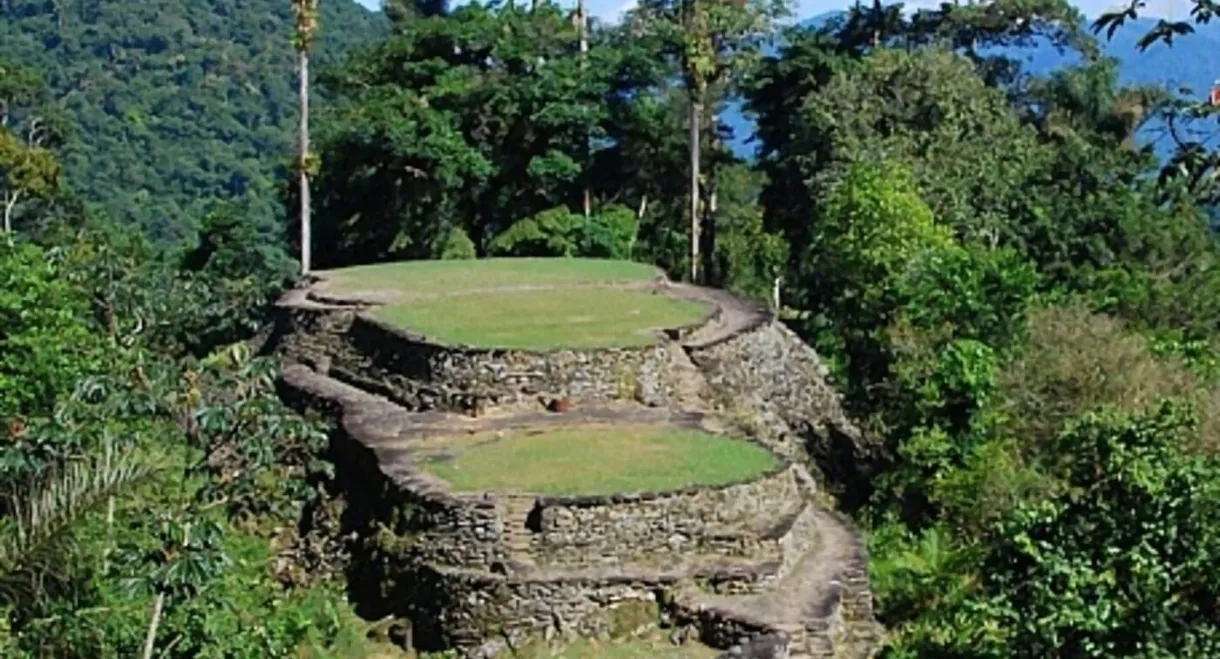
(306, 211)
(695, 55)
(583, 28)
(696, 117)
(306, 25)
(707, 219)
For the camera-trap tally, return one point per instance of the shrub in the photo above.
(560, 232)
(48, 341)
(457, 246)
(1078, 361)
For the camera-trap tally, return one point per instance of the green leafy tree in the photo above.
(172, 104)
(715, 43)
(499, 133)
(559, 232)
(991, 34)
(749, 259)
(875, 227)
(962, 314)
(1121, 565)
(237, 269)
(187, 559)
(257, 453)
(48, 340)
(457, 245)
(29, 169)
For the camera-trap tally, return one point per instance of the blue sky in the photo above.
(611, 9)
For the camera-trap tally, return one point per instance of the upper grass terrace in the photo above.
(525, 303)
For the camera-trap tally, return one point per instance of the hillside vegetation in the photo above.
(171, 104)
(1020, 305)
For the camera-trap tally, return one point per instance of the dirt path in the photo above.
(735, 315)
(802, 594)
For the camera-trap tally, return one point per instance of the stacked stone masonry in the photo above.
(489, 571)
(357, 348)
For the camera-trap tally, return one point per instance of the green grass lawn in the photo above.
(432, 277)
(598, 459)
(541, 320)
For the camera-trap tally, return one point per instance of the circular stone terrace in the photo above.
(591, 459)
(535, 304)
(519, 508)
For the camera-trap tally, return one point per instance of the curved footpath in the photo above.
(821, 608)
(733, 314)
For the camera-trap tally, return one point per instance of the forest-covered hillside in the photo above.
(172, 103)
(1186, 64)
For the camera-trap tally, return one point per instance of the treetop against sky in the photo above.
(612, 9)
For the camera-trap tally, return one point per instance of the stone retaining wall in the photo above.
(625, 528)
(459, 608)
(778, 386)
(760, 521)
(774, 377)
(422, 375)
(751, 520)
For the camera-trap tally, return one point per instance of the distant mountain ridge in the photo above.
(175, 102)
(1193, 61)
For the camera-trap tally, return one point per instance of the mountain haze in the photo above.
(1192, 62)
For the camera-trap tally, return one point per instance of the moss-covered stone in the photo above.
(632, 618)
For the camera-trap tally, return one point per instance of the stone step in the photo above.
(689, 384)
(516, 536)
(797, 603)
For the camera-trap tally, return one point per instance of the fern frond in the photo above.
(40, 527)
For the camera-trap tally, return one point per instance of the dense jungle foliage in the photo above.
(1020, 303)
(165, 105)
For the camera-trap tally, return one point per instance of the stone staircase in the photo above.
(516, 535)
(798, 639)
(822, 604)
(689, 386)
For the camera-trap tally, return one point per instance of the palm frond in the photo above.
(38, 534)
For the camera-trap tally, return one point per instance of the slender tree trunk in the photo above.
(707, 233)
(306, 229)
(151, 638)
(10, 203)
(707, 227)
(583, 28)
(109, 535)
(639, 221)
(696, 115)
